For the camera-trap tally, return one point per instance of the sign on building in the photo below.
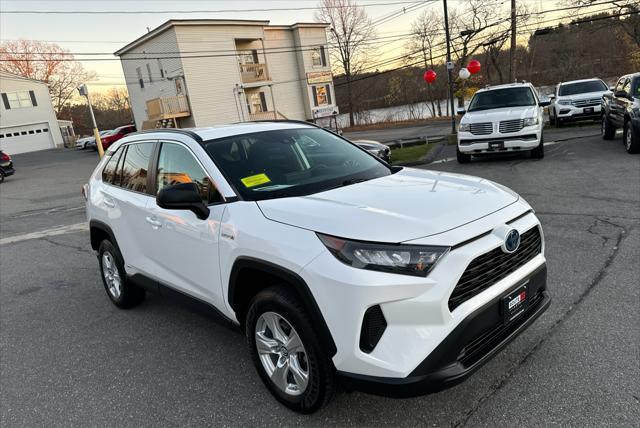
(315, 77)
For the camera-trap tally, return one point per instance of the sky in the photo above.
(108, 32)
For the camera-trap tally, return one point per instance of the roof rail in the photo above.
(187, 132)
(302, 122)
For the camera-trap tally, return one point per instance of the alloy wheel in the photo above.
(628, 138)
(111, 275)
(282, 353)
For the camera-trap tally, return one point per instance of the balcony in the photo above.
(266, 115)
(168, 107)
(253, 73)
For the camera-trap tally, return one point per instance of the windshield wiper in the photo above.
(353, 181)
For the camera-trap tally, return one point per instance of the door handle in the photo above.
(109, 202)
(153, 222)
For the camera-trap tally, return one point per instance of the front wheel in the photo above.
(607, 130)
(286, 351)
(1, 176)
(631, 140)
(462, 157)
(538, 152)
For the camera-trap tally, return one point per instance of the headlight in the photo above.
(529, 121)
(416, 260)
(565, 102)
(464, 127)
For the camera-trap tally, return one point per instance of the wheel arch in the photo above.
(242, 290)
(100, 231)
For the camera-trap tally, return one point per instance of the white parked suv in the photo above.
(338, 267)
(502, 119)
(576, 100)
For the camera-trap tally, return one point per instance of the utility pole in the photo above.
(449, 67)
(512, 50)
(82, 89)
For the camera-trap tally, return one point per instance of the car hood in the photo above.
(499, 114)
(407, 205)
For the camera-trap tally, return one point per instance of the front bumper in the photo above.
(570, 112)
(416, 310)
(471, 344)
(8, 169)
(527, 139)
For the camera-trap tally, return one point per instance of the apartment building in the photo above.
(188, 73)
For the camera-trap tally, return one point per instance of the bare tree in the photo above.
(425, 39)
(630, 23)
(351, 33)
(47, 62)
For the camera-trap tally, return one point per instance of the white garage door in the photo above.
(28, 138)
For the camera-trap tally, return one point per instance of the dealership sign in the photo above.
(325, 111)
(315, 77)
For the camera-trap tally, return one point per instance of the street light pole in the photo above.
(449, 66)
(82, 89)
(512, 48)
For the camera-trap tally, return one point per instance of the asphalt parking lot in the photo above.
(69, 357)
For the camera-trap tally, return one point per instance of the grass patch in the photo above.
(409, 154)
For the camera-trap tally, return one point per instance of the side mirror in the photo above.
(544, 103)
(183, 196)
(621, 94)
(460, 111)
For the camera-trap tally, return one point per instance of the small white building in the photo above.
(188, 73)
(27, 119)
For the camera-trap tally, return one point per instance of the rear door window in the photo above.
(135, 167)
(109, 170)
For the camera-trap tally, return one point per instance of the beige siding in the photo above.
(211, 80)
(164, 45)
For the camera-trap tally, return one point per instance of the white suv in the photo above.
(337, 266)
(502, 119)
(576, 100)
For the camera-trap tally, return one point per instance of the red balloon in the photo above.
(430, 76)
(474, 66)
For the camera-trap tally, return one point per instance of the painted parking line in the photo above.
(58, 230)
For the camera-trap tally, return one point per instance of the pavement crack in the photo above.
(551, 331)
(71, 247)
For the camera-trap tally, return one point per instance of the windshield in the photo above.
(582, 87)
(499, 98)
(291, 162)
(105, 133)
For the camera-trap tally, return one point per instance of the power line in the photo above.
(164, 12)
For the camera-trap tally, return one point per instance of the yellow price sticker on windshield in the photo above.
(255, 180)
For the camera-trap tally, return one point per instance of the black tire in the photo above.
(321, 372)
(2, 176)
(558, 122)
(538, 152)
(129, 295)
(631, 140)
(462, 157)
(552, 119)
(607, 130)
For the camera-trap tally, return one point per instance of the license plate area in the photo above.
(515, 303)
(588, 110)
(496, 145)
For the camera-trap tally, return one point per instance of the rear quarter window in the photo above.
(109, 170)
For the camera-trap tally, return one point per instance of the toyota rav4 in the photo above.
(501, 119)
(339, 268)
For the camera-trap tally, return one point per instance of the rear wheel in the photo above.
(607, 130)
(558, 122)
(631, 140)
(462, 157)
(552, 119)
(1, 176)
(286, 351)
(120, 290)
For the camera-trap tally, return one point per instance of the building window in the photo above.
(257, 102)
(149, 73)
(140, 79)
(321, 95)
(318, 57)
(21, 99)
(160, 68)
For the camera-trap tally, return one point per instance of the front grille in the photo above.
(485, 128)
(587, 103)
(491, 267)
(507, 126)
(477, 348)
(373, 325)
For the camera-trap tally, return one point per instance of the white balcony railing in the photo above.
(168, 107)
